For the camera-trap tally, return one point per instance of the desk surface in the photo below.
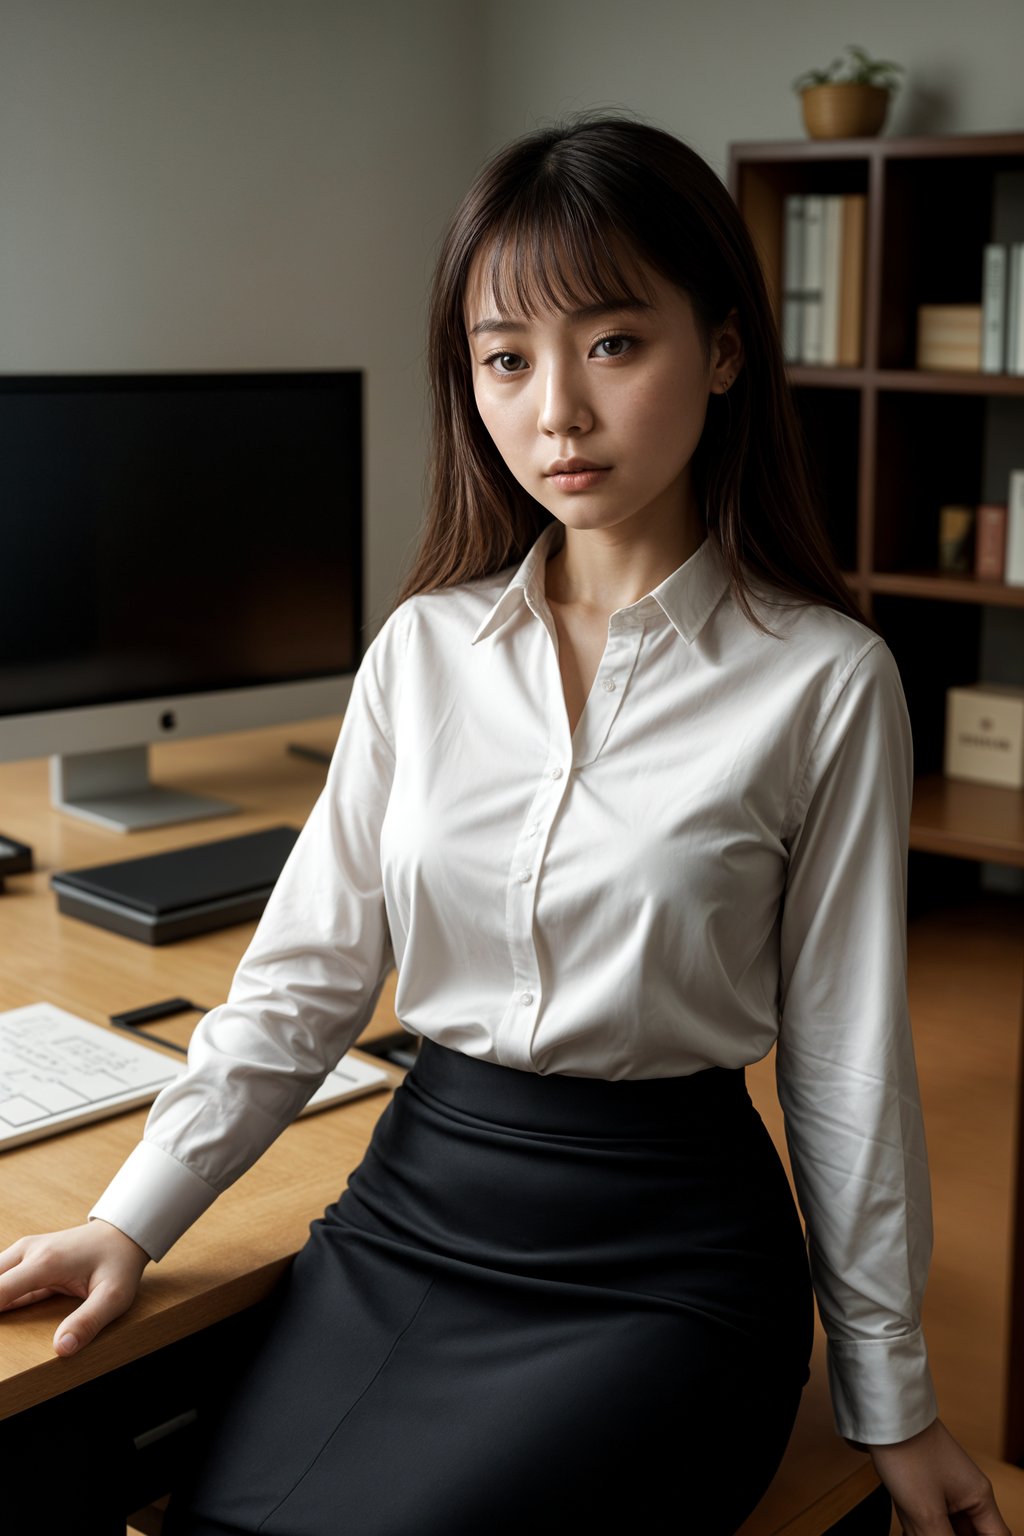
(235, 1252)
(231, 1256)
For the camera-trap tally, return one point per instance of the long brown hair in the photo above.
(563, 216)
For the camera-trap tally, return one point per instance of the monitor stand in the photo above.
(113, 790)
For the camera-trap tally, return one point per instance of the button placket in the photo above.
(526, 866)
(625, 633)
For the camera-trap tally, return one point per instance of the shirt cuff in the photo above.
(881, 1389)
(153, 1198)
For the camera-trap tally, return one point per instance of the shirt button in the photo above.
(532, 831)
(556, 773)
(526, 998)
(524, 876)
(608, 685)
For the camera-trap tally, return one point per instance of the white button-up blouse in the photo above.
(713, 862)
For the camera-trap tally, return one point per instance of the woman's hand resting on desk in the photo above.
(936, 1487)
(95, 1262)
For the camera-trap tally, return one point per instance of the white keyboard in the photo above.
(57, 1071)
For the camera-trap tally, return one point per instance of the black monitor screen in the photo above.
(174, 534)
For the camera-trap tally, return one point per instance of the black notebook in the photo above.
(167, 896)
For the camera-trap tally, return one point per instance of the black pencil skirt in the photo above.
(543, 1303)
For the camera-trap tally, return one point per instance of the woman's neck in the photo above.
(604, 569)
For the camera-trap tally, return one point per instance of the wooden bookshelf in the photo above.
(948, 587)
(968, 821)
(889, 445)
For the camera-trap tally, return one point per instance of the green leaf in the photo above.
(810, 77)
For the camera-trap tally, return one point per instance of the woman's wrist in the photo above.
(888, 1445)
(129, 1242)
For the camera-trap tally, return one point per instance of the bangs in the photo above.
(553, 254)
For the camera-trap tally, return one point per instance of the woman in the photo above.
(623, 790)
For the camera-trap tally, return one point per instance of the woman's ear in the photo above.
(726, 354)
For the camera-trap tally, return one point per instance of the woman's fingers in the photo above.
(96, 1263)
(107, 1300)
(10, 1258)
(936, 1487)
(26, 1301)
(29, 1278)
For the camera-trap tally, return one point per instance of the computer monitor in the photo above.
(180, 554)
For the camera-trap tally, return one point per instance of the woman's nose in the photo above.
(564, 406)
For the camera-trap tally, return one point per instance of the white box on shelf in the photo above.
(985, 734)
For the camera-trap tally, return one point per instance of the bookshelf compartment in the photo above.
(938, 214)
(765, 184)
(830, 419)
(937, 645)
(958, 819)
(929, 454)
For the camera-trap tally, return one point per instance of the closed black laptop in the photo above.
(167, 896)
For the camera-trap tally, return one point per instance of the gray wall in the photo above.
(262, 183)
(238, 184)
(717, 72)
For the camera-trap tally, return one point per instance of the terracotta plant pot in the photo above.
(842, 110)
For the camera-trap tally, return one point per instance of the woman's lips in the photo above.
(579, 479)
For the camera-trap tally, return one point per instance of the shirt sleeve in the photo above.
(305, 987)
(845, 1066)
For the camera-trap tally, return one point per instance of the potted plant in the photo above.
(848, 100)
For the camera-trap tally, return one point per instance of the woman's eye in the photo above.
(617, 345)
(507, 360)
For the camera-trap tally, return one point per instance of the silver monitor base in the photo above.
(113, 790)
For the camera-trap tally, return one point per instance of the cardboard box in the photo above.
(985, 734)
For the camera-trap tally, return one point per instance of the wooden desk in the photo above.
(232, 1257)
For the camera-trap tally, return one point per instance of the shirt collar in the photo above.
(687, 597)
(526, 586)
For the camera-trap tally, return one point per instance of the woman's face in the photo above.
(622, 389)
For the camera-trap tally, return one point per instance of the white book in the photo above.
(1015, 310)
(792, 328)
(831, 267)
(1014, 574)
(993, 309)
(814, 233)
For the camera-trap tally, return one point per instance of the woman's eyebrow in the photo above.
(492, 324)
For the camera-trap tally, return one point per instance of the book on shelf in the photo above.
(1003, 308)
(851, 279)
(1014, 354)
(956, 538)
(793, 277)
(993, 307)
(1014, 573)
(831, 276)
(990, 542)
(813, 278)
(823, 278)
